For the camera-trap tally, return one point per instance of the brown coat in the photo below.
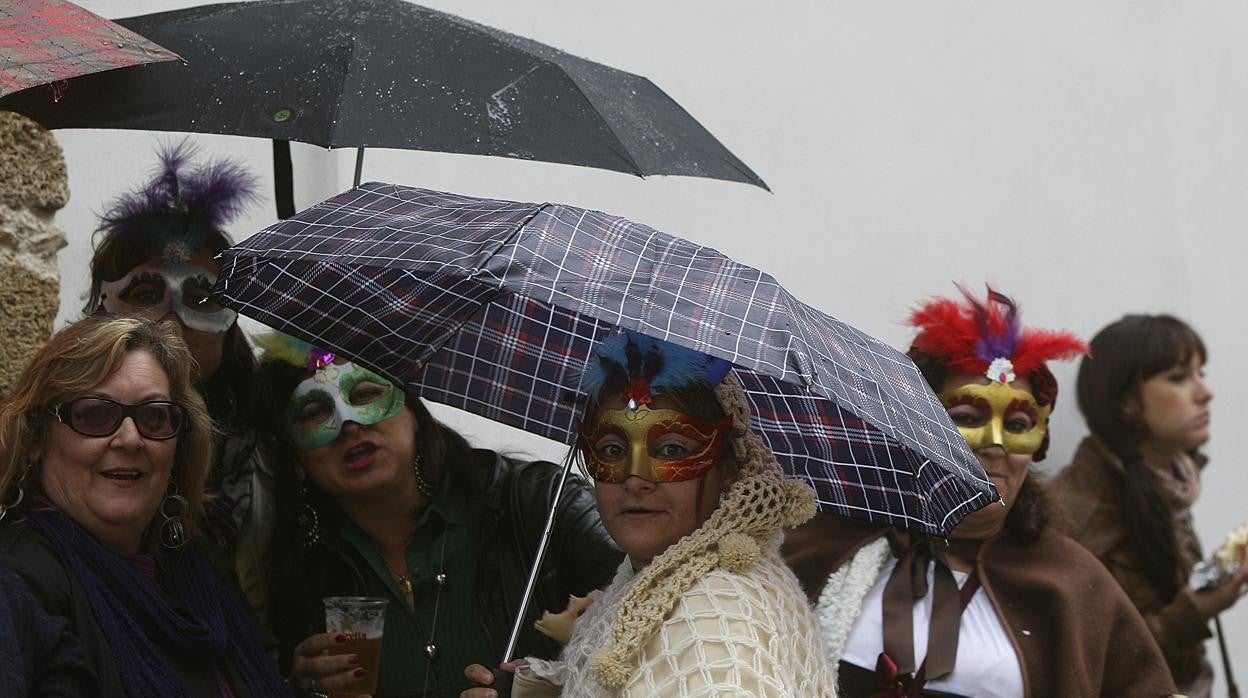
(1074, 630)
(1089, 495)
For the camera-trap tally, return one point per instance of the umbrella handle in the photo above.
(537, 564)
(359, 165)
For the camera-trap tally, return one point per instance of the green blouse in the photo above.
(449, 526)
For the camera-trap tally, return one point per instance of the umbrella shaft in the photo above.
(537, 564)
(359, 165)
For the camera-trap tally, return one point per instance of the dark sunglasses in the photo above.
(100, 416)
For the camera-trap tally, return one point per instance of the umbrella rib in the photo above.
(615, 136)
(342, 90)
(619, 142)
(519, 230)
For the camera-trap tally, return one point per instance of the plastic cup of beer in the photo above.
(361, 619)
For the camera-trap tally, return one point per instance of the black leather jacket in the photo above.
(515, 500)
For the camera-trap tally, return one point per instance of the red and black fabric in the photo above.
(50, 41)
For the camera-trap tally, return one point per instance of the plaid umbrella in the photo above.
(47, 41)
(494, 307)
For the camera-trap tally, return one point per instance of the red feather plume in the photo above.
(1035, 347)
(967, 336)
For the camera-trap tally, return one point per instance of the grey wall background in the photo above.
(1089, 158)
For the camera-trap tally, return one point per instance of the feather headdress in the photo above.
(182, 204)
(987, 337)
(283, 347)
(645, 365)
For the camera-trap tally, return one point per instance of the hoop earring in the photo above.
(306, 519)
(173, 528)
(422, 482)
(21, 493)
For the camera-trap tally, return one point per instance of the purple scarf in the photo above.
(136, 618)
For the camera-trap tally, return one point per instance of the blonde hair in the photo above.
(80, 357)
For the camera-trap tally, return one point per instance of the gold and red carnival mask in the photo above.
(998, 414)
(656, 445)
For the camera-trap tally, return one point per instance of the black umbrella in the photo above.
(387, 73)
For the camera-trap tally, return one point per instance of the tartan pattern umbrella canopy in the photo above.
(47, 41)
(494, 307)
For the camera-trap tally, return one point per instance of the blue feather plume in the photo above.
(627, 355)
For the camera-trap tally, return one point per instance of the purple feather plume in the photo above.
(998, 335)
(182, 202)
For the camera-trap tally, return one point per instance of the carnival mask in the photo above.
(334, 395)
(656, 445)
(998, 414)
(154, 291)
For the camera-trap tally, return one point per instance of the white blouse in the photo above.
(986, 664)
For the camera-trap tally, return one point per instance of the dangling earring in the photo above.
(306, 518)
(422, 483)
(173, 528)
(21, 493)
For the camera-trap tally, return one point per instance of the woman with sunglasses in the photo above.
(703, 605)
(156, 258)
(104, 448)
(377, 498)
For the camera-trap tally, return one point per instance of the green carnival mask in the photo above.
(334, 395)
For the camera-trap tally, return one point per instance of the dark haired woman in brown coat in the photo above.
(1127, 495)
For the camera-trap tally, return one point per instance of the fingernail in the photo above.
(340, 638)
(358, 672)
(354, 659)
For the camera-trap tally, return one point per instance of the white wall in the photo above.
(1090, 158)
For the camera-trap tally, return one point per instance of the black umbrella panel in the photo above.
(391, 74)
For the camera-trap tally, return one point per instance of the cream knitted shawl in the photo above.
(740, 634)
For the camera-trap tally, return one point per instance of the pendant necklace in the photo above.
(404, 583)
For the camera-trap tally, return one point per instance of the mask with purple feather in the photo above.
(166, 223)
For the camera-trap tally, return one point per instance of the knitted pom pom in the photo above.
(799, 503)
(611, 671)
(738, 552)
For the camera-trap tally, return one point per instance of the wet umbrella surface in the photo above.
(388, 73)
(50, 41)
(494, 307)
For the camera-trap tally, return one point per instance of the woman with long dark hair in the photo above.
(1128, 493)
(375, 497)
